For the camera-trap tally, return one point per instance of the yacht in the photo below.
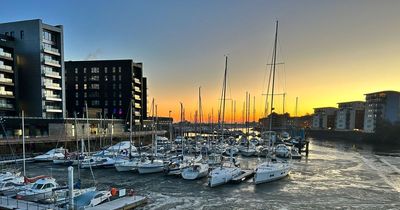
(151, 165)
(270, 171)
(195, 171)
(223, 174)
(282, 151)
(41, 189)
(91, 199)
(52, 154)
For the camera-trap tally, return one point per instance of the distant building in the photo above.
(324, 118)
(279, 121)
(384, 105)
(39, 51)
(350, 115)
(8, 77)
(107, 87)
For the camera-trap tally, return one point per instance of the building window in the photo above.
(76, 94)
(94, 70)
(114, 78)
(95, 78)
(76, 86)
(120, 102)
(76, 70)
(21, 34)
(84, 70)
(84, 86)
(119, 77)
(119, 69)
(76, 78)
(95, 86)
(119, 86)
(105, 103)
(95, 103)
(105, 70)
(105, 78)
(84, 78)
(85, 94)
(113, 69)
(77, 103)
(12, 33)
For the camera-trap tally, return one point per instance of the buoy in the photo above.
(114, 191)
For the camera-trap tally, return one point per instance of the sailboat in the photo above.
(153, 164)
(271, 169)
(130, 164)
(229, 170)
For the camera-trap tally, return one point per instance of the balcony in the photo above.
(6, 81)
(52, 74)
(53, 97)
(55, 109)
(6, 68)
(53, 86)
(52, 51)
(137, 90)
(137, 81)
(6, 107)
(7, 94)
(6, 55)
(53, 63)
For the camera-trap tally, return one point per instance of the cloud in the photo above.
(94, 55)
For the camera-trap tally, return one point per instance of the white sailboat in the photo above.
(51, 155)
(227, 171)
(271, 169)
(153, 164)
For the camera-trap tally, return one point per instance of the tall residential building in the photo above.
(8, 93)
(381, 106)
(324, 118)
(350, 115)
(107, 87)
(40, 65)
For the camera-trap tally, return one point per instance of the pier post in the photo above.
(71, 187)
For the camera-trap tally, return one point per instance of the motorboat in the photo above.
(51, 155)
(294, 153)
(282, 151)
(270, 171)
(223, 174)
(40, 190)
(91, 199)
(195, 171)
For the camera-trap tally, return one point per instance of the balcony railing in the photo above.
(52, 62)
(137, 81)
(51, 50)
(5, 80)
(5, 54)
(52, 85)
(52, 74)
(53, 97)
(6, 106)
(6, 67)
(53, 108)
(6, 93)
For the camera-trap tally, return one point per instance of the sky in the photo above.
(333, 51)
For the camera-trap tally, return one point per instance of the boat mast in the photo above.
(23, 141)
(87, 125)
(273, 75)
(181, 127)
(130, 129)
(223, 98)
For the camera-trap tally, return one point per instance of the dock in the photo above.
(11, 203)
(245, 174)
(127, 202)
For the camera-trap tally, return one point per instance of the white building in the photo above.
(324, 118)
(350, 116)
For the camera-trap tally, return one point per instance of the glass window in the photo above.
(84, 86)
(119, 77)
(105, 70)
(21, 34)
(76, 70)
(76, 94)
(76, 86)
(84, 70)
(114, 78)
(113, 69)
(119, 69)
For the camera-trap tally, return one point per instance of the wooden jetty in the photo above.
(244, 174)
(127, 202)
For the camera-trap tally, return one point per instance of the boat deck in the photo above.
(245, 174)
(127, 202)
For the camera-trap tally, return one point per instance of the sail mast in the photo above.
(273, 75)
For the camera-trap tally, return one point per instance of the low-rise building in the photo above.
(324, 118)
(350, 116)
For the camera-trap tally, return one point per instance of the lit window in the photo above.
(76, 86)
(76, 70)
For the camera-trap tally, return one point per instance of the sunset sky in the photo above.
(334, 51)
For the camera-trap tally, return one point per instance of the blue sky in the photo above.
(331, 49)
